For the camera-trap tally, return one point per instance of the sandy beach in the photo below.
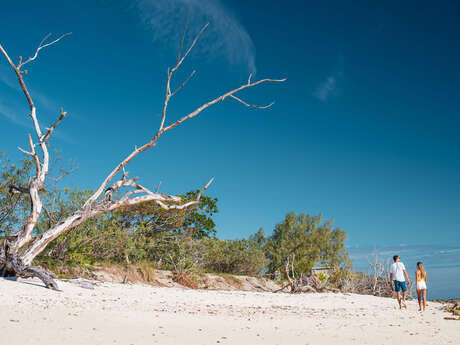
(135, 314)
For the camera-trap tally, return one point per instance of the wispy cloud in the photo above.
(18, 116)
(12, 111)
(225, 37)
(326, 88)
(7, 79)
(7, 110)
(12, 116)
(332, 84)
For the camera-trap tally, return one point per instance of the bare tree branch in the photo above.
(41, 168)
(96, 204)
(171, 71)
(203, 189)
(158, 187)
(161, 129)
(190, 48)
(53, 126)
(183, 83)
(35, 156)
(40, 47)
(19, 75)
(25, 152)
(219, 99)
(183, 35)
(17, 69)
(15, 189)
(252, 105)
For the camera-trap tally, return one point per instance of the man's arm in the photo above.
(407, 276)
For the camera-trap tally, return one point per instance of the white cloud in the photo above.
(225, 37)
(326, 88)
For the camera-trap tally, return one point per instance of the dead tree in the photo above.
(18, 251)
(305, 283)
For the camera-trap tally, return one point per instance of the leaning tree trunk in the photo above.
(14, 262)
(11, 265)
(16, 255)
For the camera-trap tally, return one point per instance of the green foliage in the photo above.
(140, 233)
(310, 240)
(196, 221)
(258, 240)
(341, 277)
(179, 240)
(236, 256)
(199, 223)
(13, 206)
(322, 277)
(98, 239)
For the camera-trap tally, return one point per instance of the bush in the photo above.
(234, 257)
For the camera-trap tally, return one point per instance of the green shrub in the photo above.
(234, 257)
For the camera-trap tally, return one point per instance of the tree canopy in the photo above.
(306, 240)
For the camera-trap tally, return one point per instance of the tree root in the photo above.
(14, 267)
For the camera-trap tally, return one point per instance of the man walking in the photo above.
(399, 275)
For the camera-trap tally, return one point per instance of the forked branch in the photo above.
(41, 164)
(40, 47)
(168, 95)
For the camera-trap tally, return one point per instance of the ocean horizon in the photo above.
(441, 262)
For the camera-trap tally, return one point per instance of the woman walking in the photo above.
(420, 278)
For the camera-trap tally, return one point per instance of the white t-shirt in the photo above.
(397, 269)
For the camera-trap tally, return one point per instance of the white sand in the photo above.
(135, 314)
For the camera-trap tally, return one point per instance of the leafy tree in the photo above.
(199, 222)
(258, 240)
(141, 232)
(306, 240)
(196, 221)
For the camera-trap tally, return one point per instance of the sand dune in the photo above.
(135, 314)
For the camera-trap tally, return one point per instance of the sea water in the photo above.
(441, 262)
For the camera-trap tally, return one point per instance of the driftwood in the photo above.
(17, 252)
(83, 283)
(309, 283)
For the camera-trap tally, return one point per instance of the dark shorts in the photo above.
(400, 286)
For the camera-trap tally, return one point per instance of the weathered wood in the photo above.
(13, 261)
(14, 266)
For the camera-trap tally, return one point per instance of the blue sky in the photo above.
(365, 130)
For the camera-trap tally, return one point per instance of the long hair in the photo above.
(421, 268)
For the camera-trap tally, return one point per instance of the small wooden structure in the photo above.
(324, 270)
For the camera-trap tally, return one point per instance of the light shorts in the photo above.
(421, 285)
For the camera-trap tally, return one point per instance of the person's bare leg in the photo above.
(424, 299)
(419, 298)
(404, 299)
(398, 296)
